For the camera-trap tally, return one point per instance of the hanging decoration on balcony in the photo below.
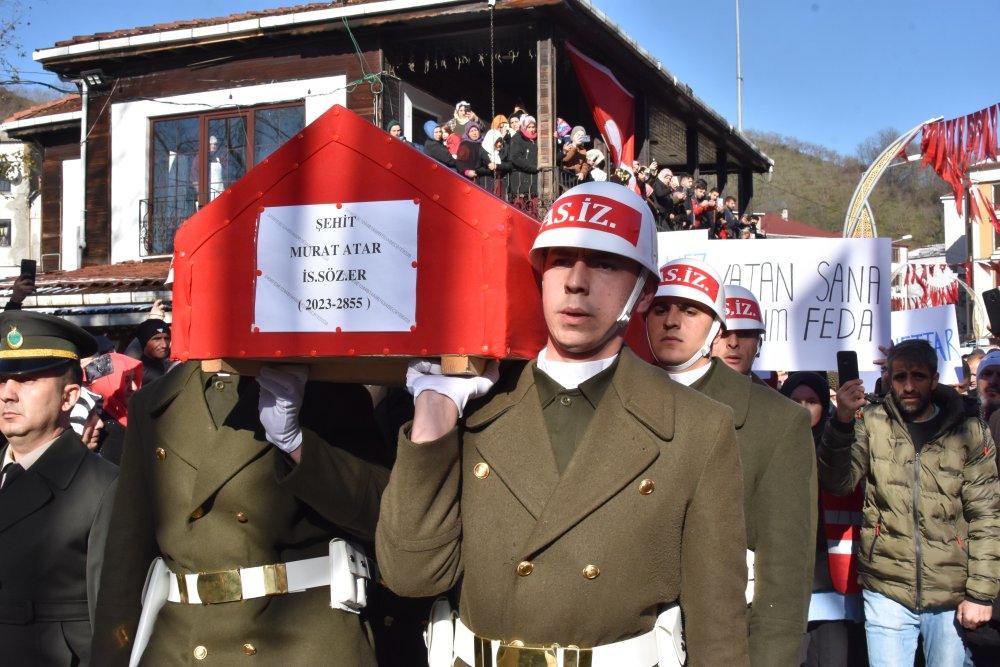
(926, 285)
(950, 147)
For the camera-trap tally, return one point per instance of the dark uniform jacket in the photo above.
(53, 524)
(779, 487)
(208, 499)
(651, 499)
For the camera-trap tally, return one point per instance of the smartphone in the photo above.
(100, 367)
(991, 299)
(585, 139)
(847, 366)
(28, 267)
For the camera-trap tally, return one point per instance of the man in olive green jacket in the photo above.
(586, 492)
(777, 457)
(204, 489)
(929, 553)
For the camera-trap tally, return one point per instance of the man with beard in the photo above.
(988, 384)
(929, 553)
(688, 316)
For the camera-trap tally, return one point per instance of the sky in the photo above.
(831, 73)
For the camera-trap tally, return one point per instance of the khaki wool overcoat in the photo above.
(208, 499)
(652, 499)
(779, 490)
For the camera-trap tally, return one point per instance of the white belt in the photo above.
(638, 651)
(249, 582)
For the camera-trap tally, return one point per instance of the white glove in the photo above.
(423, 375)
(281, 391)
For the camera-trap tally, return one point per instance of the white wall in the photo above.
(72, 207)
(130, 139)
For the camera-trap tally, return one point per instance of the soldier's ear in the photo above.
(70, 395)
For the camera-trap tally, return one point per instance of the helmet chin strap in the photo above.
(621, 324)
(704, 351)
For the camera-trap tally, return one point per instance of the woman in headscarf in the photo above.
(574, 157)
(836, 633)
(524, 161)
(495, 153)
(500, 123)
(434, 146)
(470, 161)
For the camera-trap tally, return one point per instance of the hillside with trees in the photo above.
(816, 184)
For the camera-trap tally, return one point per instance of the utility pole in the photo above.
(739, 74)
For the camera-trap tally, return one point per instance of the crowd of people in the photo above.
(587, 506)
(503, 159)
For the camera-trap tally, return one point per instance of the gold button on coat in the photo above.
(482, 470)
(161, 453)
(591, 572)
(200, 652)
(198, 512)
(646, 487)
(220, 385)
(249, 649)
(242, 517)
(525, 567)
(565, 400)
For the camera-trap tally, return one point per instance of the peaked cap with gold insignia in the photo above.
(32, 342)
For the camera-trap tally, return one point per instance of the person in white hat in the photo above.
(688, 317)
(740, 343)
(585, 495)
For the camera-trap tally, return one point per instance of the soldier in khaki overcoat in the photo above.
(585, 493)
(205, 486)
(688, 314)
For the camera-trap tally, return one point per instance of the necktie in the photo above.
(11, 471)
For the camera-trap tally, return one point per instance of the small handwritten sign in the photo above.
(337, 267)
(939, 327)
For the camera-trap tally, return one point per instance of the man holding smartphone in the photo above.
(929, 554)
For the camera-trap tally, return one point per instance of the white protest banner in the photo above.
(939, 327)
(817, 296)
(337, 267)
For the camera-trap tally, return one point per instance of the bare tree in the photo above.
(12, 16)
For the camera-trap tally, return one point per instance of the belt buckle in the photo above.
(516, 654)
(219, 587)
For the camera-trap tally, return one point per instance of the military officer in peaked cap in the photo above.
(55, 495)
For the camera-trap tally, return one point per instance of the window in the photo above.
(4, 233)
(195, 158)
(4, 185)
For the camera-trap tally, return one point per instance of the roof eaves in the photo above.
(235, 24)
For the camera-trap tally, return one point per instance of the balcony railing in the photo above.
(159, 219)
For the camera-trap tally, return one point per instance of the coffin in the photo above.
(352, 251)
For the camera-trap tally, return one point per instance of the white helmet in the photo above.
(599, 216)
(742, 310)
(694, 280)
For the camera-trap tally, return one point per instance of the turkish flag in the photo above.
(613, 107)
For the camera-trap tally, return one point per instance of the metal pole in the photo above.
(739, 74)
